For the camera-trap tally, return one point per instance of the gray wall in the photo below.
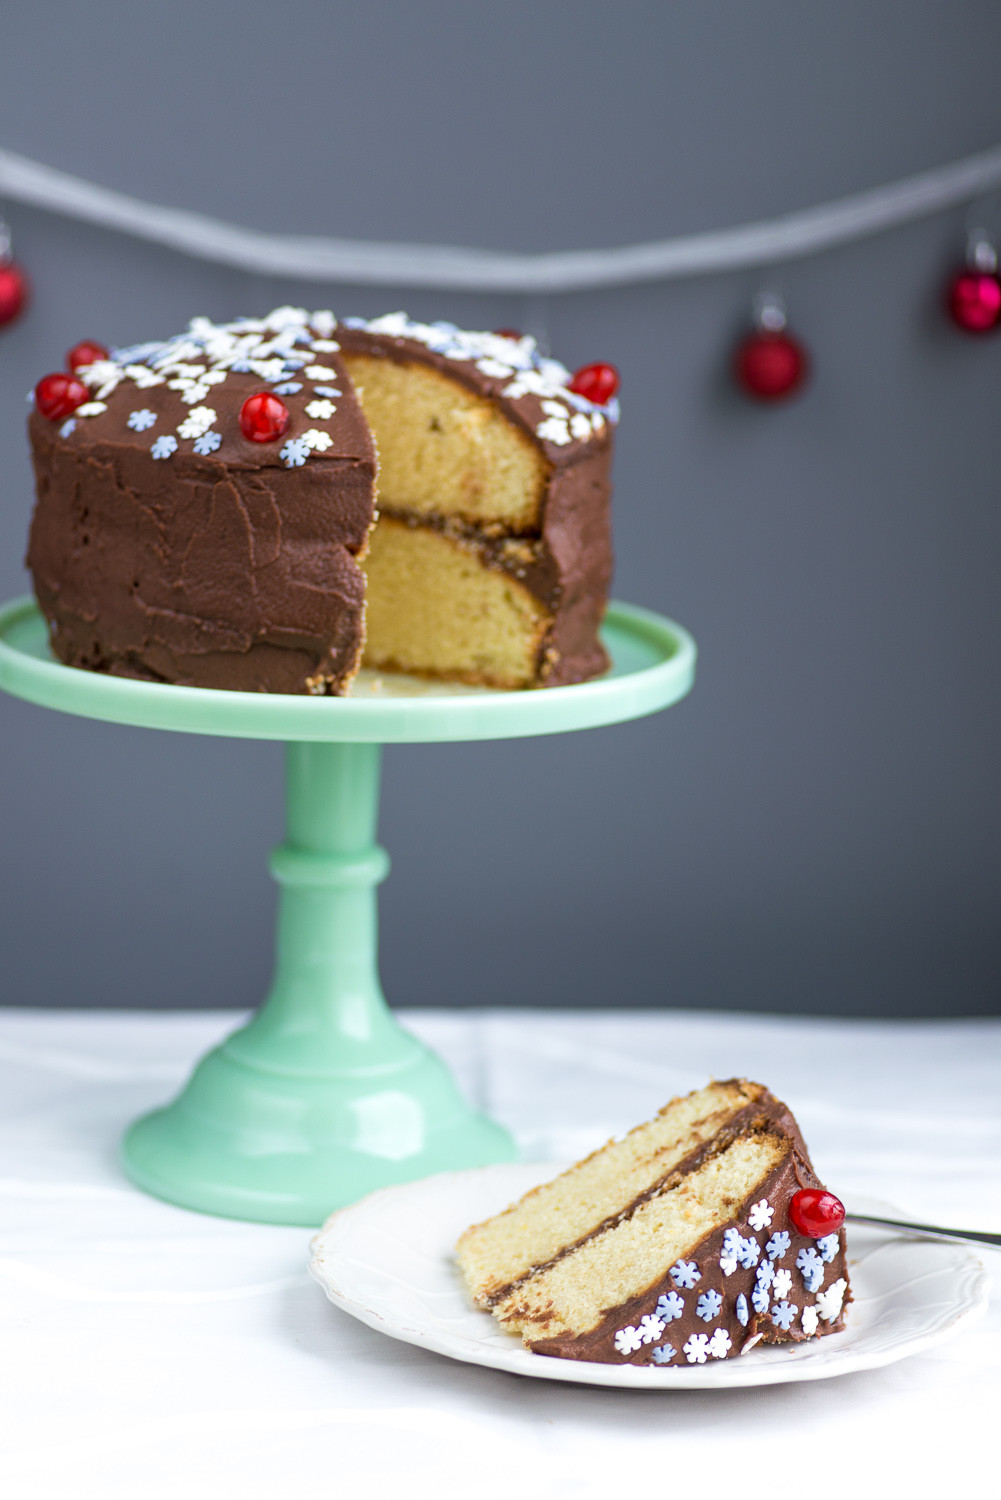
(816, 828)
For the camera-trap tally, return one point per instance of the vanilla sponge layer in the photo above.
(573, 1295)
(558, 1214)
(434, 606)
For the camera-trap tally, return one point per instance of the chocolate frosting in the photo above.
(767, 1116)
(165, 545)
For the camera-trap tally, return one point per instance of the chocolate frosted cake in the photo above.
(693, 1238)
(265, 504)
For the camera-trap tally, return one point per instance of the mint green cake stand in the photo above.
(323, 1096)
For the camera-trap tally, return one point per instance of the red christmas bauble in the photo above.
(770, 364)
(15, 292)
(974, 300)
(263, 418)
(59, 395)
(85, 353)
(816, 1212)
(597, 383)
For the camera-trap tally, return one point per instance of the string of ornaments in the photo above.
(769, 364)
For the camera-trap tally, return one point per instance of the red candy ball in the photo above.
(816, 1212)
(508, 333)
(770, 364)
(85, 353)
(597, 383)
(263, 418)
(15, 292)
(59, 395)
(974, 300)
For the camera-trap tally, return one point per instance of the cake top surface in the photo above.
(181, 395)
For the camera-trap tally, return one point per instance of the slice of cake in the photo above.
(264, 504)
(692, 1238)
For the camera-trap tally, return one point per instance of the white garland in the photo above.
(374, 263)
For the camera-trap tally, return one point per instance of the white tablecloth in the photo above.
(150, 1352)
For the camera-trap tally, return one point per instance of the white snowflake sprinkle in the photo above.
(651, 1328)
(67, 428)
(208, 443)
(320, 411)
(720, 1344)
(213, 377)
(319, 372)
(783, 1314)
(628, 1340)
(697, 1349)
(295, 453)
(142, 376)
(728, 1264)
(164, 446)
(580, 427)
(494, 369)
(195, 393)
(782, 1285)
(685, 1273)
(597, 421)
(760, 1215)
(324, 322)
(140, 420)
(810, 1320)
(91, 409)
(196, 422)
(670, 1307)
(325, 346)
(318, 441)
(554, 430)
(829, 1302)
(828, 1247)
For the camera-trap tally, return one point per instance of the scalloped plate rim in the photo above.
(780, 1364)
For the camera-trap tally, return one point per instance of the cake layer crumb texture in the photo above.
(438, 502)
(680, 1243)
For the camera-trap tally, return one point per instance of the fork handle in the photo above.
(933, 1231)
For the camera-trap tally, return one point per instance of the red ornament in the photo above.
(597, 383)
(816, 1212)
(85, 353)
(15, 292)
(263, 418)
(59, 395)
(974, 300)
(770, 364)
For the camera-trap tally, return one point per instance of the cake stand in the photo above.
(323, 1097)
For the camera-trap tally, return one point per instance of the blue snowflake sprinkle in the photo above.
(241, 367)
(731, 1243)
(760, 1299)
(777, 1245)
(685, 1273)
(164, 446)
(828, 1247)
(812, 1267)
(741, 1309)
(140, 420)
(295, 453)
(288, 388)
(326, 390)
(670, 1307)
(764, 1275)
(748, 1253)
(708, 1306)
(664, 1354)
(783, 1314)
(67, 428)
(208, 443)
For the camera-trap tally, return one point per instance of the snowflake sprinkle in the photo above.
(554, 430)
(196, 422)
(783, 1314)
(164, 446)
(760, 1299)
(748, 1253)
(741, 1309)
(664, 1354)
(828, 1247)
(685, 1273)
(628, 1340)
(812, 1267)
(208, 443)
(140, 420)
(697, 1349)
(320, 372)
(708, 1306)
(760, 1215)
(670, 1307)
(295, 453)
(650, 1329)
(67, 428)
(320, 410)
(829, 1302)
(810, 1319)
(289, 388)
(782, 1285)
(777, 1245)
(720, 1344)
(325, 390)
(764, 1275)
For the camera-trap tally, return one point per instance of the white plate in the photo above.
(388, 1261)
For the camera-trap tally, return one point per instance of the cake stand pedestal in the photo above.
(323, 1096)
